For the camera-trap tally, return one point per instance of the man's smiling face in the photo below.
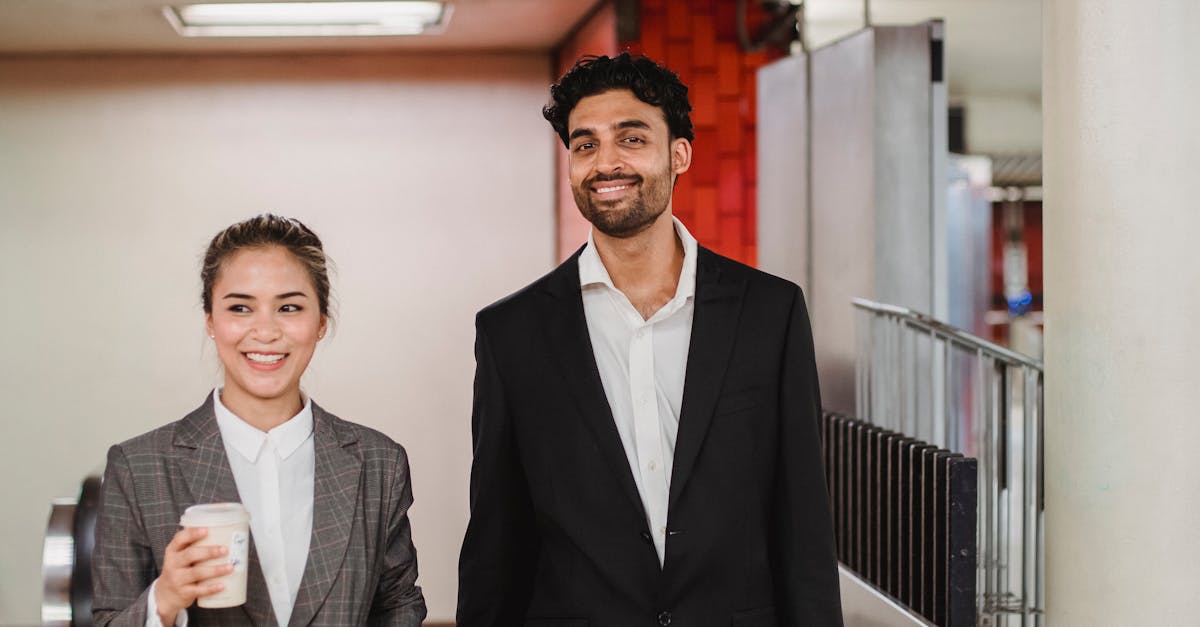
(623, 162)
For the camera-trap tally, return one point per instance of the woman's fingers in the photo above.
(186, 537)
(185, 576)
(203, 589)
(201, 574)
(195, 554)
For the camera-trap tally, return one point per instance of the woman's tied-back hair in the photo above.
(263, 231)
(652, 83)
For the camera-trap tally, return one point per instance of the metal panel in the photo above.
(783, 170)
(875, 150)
(843, 205)
(903, 166)
(863, 605)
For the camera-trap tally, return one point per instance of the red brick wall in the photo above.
(596, 35)
(697, 39)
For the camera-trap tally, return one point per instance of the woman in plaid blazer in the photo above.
(330, 537)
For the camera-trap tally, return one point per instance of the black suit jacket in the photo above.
(558, 535)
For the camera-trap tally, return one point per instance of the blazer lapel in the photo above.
(205, 468)
(572, 347)
(334, 506)
(714, 327)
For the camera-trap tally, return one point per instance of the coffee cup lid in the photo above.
(214, 514)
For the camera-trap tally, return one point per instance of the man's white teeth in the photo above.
(264, 359)
(605, 190)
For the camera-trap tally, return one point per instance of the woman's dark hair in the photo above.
(263, 231)
(652, 83)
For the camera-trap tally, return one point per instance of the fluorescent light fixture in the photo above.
(308, 19)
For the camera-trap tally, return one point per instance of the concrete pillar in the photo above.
(1121, 89)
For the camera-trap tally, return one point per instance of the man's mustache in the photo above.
(599, 178)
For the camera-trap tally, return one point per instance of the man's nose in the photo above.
(608, 158)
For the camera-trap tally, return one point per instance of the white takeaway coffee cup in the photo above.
(229, 526)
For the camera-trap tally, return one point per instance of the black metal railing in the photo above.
(904, 515)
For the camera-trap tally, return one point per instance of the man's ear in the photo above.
(681, 155)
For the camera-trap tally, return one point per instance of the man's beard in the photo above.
(650, 200)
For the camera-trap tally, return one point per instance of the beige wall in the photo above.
(1003, 123)
(1122, 504)
(430, 179)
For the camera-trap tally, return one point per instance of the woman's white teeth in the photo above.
(264, 359)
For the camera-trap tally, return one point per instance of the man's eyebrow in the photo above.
(623, 124)
(632, 124)
(581, 132)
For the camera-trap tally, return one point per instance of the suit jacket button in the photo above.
(664, 618)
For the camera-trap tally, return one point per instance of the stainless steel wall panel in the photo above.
(903, 167)
(872, 189)
(783, 170)
(843, 205)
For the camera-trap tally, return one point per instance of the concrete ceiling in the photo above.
(992, 46)
(138, 26)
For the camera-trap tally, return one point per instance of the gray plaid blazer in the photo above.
(361, 568)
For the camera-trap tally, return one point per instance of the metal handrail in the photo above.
(929, 380)
(954, 334)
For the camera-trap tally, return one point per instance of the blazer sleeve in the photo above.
(806, 562)
(123, 565)
(398, 600)
(500, 550)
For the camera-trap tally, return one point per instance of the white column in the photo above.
(1121, 89)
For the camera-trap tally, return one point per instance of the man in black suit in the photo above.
(646, 444)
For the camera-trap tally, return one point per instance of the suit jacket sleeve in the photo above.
(123, 565)
(500, 550)
(398, 600)
(807, 577)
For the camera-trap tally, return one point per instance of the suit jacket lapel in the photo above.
(205, 468)
(572, 347)
(334, 506)
(714, 327)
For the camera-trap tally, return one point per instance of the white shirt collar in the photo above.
(249, 442)
(592, 270)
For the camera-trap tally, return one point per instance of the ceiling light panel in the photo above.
(308, 19)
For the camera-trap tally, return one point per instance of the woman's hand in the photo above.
(184, 577)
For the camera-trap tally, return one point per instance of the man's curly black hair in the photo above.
(652, 83)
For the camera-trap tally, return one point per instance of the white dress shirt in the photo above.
(642, 365)
(275, 477)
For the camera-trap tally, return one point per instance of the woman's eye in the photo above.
(239, 308)
(291, 308)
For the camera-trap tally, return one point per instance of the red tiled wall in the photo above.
(697, 39)
(597, 35)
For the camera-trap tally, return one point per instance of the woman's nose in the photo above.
(265, 328)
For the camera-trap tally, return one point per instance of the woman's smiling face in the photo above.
(266, 323)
